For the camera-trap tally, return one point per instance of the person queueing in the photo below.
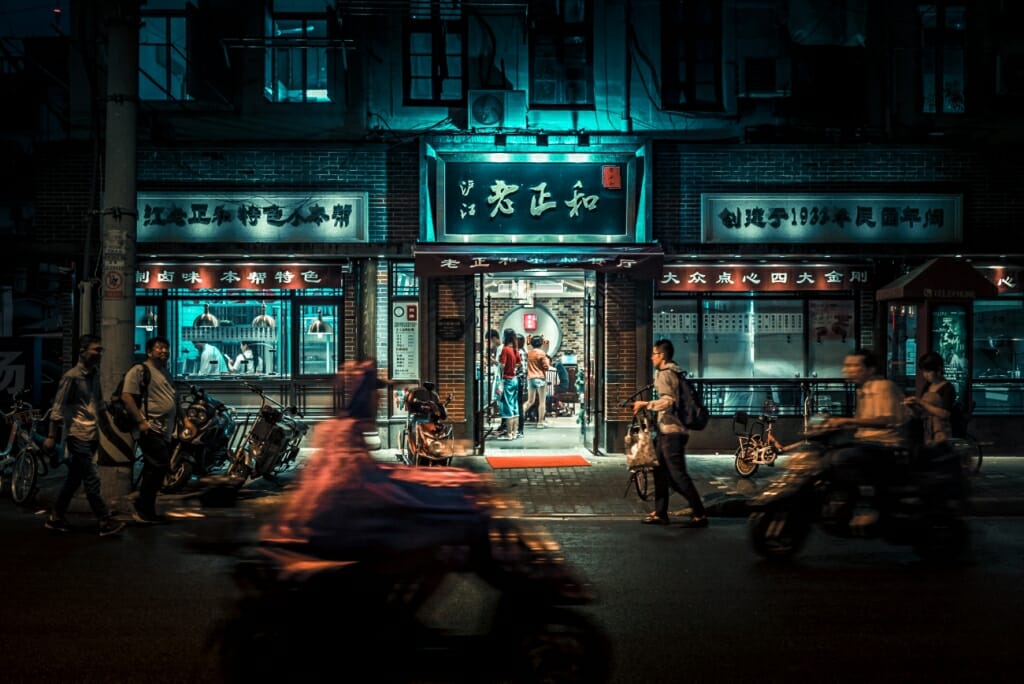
(670, 443)
(537, 365)
(75, 413)
(508, 400)
(155, 412)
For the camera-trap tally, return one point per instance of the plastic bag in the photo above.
(640, 451)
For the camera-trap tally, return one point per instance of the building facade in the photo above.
(758, 182)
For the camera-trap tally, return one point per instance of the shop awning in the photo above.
(940, 278)
(632, 260)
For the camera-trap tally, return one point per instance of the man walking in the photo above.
(154, 405)
(670, 444)
(75, 413)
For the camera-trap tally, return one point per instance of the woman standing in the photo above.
(934, 399)
(508, 399)
(537, 365)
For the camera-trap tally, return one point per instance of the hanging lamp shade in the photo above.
(319, 325)
(264, 320)
(205, 319)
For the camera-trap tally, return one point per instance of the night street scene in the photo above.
(550, 341)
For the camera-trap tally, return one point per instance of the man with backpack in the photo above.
(670, 443)
(150, 398)
(75, 414)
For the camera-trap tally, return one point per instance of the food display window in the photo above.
(217, 337)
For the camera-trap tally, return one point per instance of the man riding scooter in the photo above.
(880, 420)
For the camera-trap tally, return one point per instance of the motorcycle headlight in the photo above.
(187, 432)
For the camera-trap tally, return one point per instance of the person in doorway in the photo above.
(75, 413)
(933, 402)
(508, 390)
(155, 412)
(879, 420)
(245, 361)
(211, 359)
(521, 373)
(537, 365)
(670, 443)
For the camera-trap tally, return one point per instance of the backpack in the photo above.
(690, 410)
(119, 414)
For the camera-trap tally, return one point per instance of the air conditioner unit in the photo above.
(496, 109)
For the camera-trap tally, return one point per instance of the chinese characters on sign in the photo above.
(405, 334)
(637, 261)
(762, 278)
(295, 217)
(735, 218)
(237, 276)
(536, 201)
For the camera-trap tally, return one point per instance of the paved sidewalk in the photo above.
(603, 489)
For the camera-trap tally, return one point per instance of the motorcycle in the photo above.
(202, 434)
(923, 507)
(426, 439)
(268, 443)
(429, 593)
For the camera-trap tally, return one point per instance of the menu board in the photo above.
(405, 335)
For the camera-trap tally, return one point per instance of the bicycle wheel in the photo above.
(24, 478)
(638, 478)
(745, 465)
(969, 451)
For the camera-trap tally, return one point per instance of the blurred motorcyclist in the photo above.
(348, 505)
(880, 419)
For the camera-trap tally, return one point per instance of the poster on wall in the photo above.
(405, 334)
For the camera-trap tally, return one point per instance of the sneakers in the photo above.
(109, 526)
(506, 437)
(57, 524)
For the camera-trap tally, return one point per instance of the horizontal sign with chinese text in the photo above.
(763, 278)
(581, 201)
(238, 276)
(830, 218)
(198, 217)
(636, 261)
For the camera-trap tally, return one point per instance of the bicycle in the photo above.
(24, 456)
(757, 443)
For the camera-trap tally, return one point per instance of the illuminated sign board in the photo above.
(830, 218)
(202, 217)
(763, 278)
(238, 276)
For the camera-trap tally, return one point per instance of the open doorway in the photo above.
(554, 309)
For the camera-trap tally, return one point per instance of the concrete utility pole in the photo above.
(118, 229)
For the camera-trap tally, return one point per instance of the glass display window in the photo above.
(998, 338)
(220, 336)
(318, 353)
(901, 347)
(832, 336)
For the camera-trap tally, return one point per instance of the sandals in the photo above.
(654, 519)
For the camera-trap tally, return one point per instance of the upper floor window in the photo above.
(691, 49)
(434, 48)
(943, 34)
(163, 56)
(297, 58)
(561, 54)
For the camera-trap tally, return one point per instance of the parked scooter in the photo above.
(427, 438)
(924, 507)
(268, 443)
(415, 597)
(202, 435)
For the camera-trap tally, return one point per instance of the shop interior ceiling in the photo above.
(523, 286)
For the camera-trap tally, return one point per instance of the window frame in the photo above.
(165, 83)
(938, 42)
(441, 23)
(683, 37)
(302, 48)
(553, 39)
